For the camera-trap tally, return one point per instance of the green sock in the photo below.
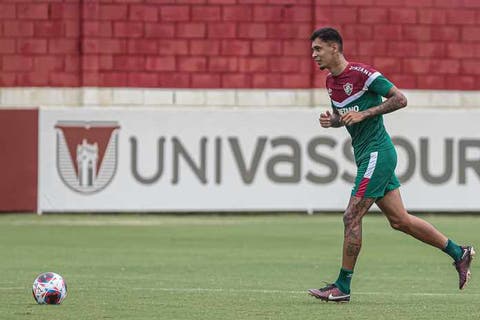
(343, 281)
(453, 250)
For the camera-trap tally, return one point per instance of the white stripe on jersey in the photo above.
(357, 95)
(348, 100)
(371, 165)
(370, 79)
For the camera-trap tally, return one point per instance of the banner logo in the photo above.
(87, 154)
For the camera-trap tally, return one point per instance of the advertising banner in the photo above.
(259, 159)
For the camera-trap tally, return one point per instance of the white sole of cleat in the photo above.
(328, 299)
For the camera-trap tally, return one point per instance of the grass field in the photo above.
(228, 267)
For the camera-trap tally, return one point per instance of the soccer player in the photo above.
(356, 92)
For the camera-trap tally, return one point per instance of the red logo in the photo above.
(87, 154)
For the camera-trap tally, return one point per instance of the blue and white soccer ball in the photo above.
(49, 288)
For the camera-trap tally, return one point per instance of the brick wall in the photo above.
(427, 44)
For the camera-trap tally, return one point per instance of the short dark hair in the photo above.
(328, 34)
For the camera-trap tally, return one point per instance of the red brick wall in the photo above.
(425, 44)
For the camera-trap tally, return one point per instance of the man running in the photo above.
(356, 92)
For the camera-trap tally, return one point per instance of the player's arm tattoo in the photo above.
(336, 119)
(395, 100)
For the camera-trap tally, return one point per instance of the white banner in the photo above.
(270, 159)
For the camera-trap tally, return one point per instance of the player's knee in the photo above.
(400, 224)
(396, 225)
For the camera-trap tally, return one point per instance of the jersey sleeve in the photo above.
(380, 85)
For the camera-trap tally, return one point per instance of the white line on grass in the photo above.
(130, 222)
(265, 291)
(296, 291)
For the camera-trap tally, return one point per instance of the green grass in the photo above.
(227, 267)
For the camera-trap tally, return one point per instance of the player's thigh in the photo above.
(357, 208)
(374, 174)
(392, 205)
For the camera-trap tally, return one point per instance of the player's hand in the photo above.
(325, 119)
(352, 117)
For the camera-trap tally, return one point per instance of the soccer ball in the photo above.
(49, 288)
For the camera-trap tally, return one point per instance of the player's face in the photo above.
(323, 53)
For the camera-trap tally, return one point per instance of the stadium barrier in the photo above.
(18, 161)
(230, 159)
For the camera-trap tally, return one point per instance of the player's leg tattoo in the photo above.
(352, 220)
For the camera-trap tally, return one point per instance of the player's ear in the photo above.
(334, 47)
